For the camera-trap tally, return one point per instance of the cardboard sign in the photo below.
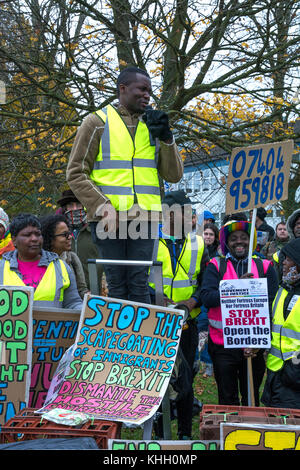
(16, 341)
(246, 436)
(245, 313)
(122, 361)
(119, 444)
(54, 331)
(258, 175)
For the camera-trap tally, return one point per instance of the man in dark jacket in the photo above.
(274, 246)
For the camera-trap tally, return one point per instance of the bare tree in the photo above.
(225, 71)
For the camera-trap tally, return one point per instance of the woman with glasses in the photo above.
(58, 239)
(29, 264)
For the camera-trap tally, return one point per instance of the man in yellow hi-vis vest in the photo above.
(119, 157)
(282, 387)
(184, 258)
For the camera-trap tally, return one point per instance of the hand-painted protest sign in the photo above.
(16, 338)
(251, 436)
(54, 331)
(123, 359)
(258, 175)
(60, 373)
(120, 444)
(245, 313)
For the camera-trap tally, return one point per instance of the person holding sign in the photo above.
(282, 387)
(29, 265)
(6, 243)
(230, 364)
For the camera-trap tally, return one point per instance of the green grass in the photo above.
(205, 389)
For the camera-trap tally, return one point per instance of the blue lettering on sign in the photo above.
(239, 159)
(53, 330)
(11, 411)
(118, 315)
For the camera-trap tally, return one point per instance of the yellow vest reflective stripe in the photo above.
(126, 167)
(276, 256)
(285, 342)
(181, 285)
(50, 289)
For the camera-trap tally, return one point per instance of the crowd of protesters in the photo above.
(119, 158)
(276, 257)
(43, 253)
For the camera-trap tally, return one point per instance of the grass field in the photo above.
(205, 391)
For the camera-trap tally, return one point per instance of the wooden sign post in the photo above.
(258, 176)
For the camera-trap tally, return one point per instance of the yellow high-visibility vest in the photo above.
(275, 256)
(126, 167)
(182, 284)
(51, 288)
(285, 343)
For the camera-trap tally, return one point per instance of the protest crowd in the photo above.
(120, 156)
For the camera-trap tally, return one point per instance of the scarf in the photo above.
(291, 277)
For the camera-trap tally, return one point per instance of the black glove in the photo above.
(158, 124)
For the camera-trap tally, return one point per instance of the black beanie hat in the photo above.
(292, 250)
(261, 213)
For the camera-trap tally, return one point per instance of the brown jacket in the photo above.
(84, 153)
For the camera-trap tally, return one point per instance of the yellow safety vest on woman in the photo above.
(285, 342)
(181, 284)
(126, 167)
(50, 291)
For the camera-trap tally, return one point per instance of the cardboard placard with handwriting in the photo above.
(16, 341)
(120, 444)
(258, 175)
(122, 361)
(54, 331)
(257, 436)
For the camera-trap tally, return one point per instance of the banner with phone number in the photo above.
(258, 175)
